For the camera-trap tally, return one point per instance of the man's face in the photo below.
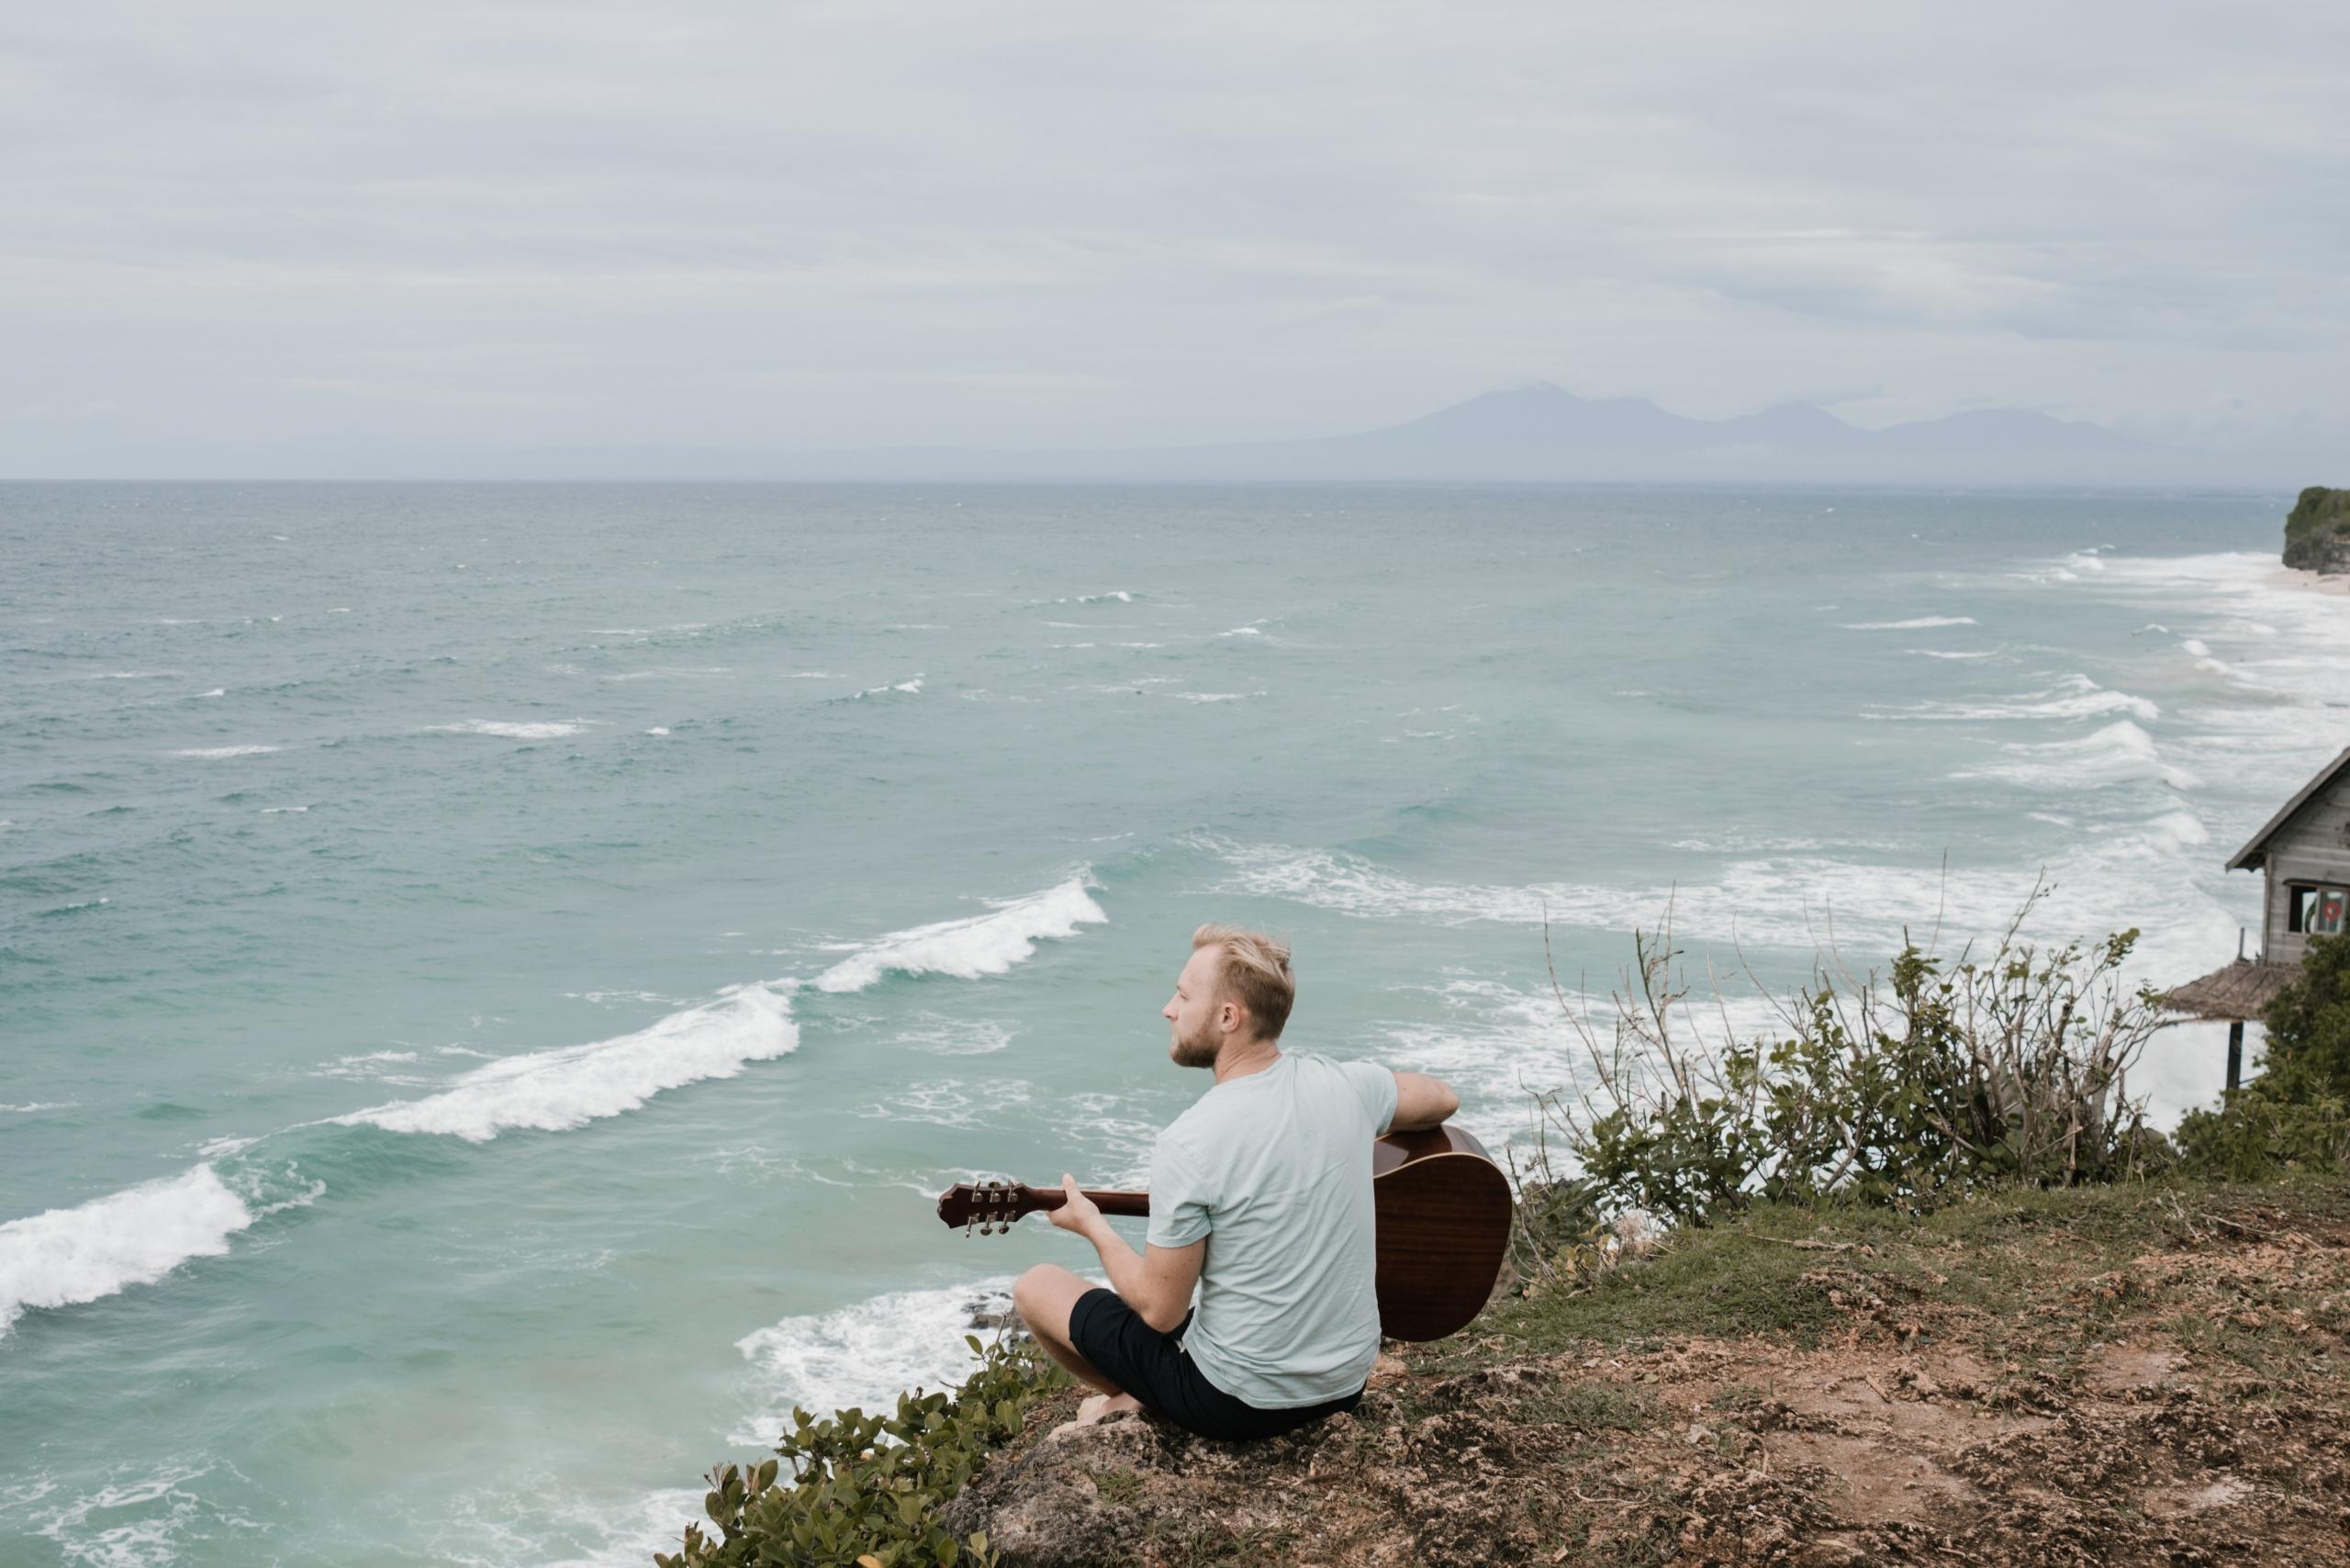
(1194, 1013)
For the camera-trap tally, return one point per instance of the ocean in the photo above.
(491, 978)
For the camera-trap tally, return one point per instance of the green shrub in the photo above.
(1897, 1092)
(2297, 1113)
(866, 1490)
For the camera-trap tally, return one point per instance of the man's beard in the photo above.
(1197, 1050)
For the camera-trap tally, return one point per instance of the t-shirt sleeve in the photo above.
(1375, 1087)
(1181, 1206)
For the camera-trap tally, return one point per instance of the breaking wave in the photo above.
(867, 1354)
(554, 1090)
(975, 945)
(65, 1256)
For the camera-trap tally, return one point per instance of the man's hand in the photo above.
(1079, 1213)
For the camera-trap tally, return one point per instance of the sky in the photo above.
(240, 229)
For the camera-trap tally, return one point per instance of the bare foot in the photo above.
(1101, 1406)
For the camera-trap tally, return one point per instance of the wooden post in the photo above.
(2236, 1053)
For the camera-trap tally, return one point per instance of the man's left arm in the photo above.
(1421, 1102)
(1157, 1282)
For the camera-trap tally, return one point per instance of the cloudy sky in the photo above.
(244, 227)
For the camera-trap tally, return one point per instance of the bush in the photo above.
(866, 1490)
(2297, 1113)
(1897, 1092)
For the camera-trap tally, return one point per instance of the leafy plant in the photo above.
(2297, 1113)
(1898, 1091)
(865, 1489)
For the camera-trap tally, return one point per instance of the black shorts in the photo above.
(1157, 1369)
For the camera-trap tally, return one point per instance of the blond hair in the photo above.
(1252, 970)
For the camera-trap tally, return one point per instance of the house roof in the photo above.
(2236, 992)
(2253, 852)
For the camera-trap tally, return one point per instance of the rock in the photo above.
(2317, 530)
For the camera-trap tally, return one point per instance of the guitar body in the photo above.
(1444, 1217)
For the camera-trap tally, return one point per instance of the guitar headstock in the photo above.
(988, 1207)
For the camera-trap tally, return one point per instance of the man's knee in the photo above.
(1043, 1296)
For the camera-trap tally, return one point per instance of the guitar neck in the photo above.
(1135, 1206)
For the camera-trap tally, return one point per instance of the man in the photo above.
(1259, 1195)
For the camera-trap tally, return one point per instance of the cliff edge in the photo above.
(2154, 1373)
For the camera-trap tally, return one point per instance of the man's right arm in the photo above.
(1421, 1102)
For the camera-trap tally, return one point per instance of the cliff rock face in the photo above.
(2317, 530)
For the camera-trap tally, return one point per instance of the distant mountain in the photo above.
(1542, 431)
(1536, 433)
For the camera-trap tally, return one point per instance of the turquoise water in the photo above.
(490, 977)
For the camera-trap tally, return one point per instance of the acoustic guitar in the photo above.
(1443, 1212)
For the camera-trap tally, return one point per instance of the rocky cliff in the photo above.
(2317, 530)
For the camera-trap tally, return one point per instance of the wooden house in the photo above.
(2304, 853)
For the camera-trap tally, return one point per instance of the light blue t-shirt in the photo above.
(1274, 1171)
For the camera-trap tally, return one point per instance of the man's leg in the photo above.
(1044, 1296)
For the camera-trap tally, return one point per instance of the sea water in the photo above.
(491, 978)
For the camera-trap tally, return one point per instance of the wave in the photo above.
(867, 1354)
(1940, 654)
(1791, 901)
(975, 945)
(1922, 623)
(65, 1256)
(2074, 697)
(214, 753)
(547, 730)
(553, 1090)
(2119, 753)
(911, 687)
(1119, 596)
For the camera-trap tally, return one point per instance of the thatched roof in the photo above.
(2236, 992)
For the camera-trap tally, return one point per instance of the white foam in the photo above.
(278, 810)
(864, 1355)
(2117, 753)
(31, 1106)
(943, 1035)
(216, 692)
(2074, 697)
(1943, 654)
(1217, 696)
(658, 730)
(1242, 632)
(570, 1086)
(214, 753)
(518, 732)
(911, 687)
(139, 674)
(975, 945)
(1922, 623)
(65, 1256)
(135, 1518)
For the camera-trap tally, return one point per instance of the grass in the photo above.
(1587, 1407)
(1777, 1270)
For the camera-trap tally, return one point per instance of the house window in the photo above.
(2317, 912)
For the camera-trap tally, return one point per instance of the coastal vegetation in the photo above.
(1929, 1287)
(2317, 530)
(867, 1489)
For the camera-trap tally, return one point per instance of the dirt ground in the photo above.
(2165, 1384)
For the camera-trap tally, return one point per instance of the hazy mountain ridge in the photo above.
(1532, 433)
